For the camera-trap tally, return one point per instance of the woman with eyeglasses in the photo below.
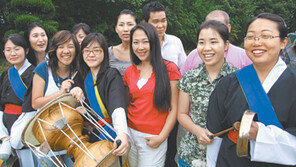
(56, 76)
(120, 54)
(14, 115)
(104, 92)
(266, 87)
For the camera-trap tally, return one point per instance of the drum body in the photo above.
(60, 120)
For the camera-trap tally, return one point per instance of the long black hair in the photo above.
(162, 90)
(60, 38)
(31, 55)
(83, 68)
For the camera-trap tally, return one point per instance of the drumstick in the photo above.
(73, 76)
(234, 127)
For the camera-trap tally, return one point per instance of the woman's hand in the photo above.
(66, 85)
(253, 131)
(77, 93)
(202, 136)
(153, 141)
(124, 146)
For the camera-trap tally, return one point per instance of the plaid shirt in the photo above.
(289, 53)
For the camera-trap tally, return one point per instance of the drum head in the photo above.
(28, 135)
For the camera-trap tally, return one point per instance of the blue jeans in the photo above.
(67, 160)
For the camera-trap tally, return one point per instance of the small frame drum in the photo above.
(243, 135)
(59, 126)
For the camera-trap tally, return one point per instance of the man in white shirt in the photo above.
(171, 46)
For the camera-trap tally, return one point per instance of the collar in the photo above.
(165, 39)
(24, 67)
(274, 75)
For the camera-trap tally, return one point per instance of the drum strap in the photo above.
(256, 97)
(17, 83)
(94, 97)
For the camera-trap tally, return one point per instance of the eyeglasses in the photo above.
(262, 37)
(9, 51)
(95, 51)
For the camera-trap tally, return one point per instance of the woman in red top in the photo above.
(152, 109)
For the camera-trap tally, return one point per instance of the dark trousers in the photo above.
(172, 148)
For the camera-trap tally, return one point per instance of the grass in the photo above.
(4, 65)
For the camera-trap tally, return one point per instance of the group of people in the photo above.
(146, 85)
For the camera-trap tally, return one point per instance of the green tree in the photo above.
(23, 12)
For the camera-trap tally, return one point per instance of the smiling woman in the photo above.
(15, 110)
(36, 36)
(54, 77)
(151, 86)
(196, 86)
(271, 82)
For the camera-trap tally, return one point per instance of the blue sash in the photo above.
(96, 103)
(17, 83)
(256, 97)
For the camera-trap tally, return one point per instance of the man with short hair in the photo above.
(236, 56)
(171, 46)
(171, 50)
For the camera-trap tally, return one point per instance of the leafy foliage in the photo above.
(184, 16)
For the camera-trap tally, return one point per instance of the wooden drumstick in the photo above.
(73, 76)
(234, 127)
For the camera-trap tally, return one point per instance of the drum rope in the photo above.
(38, 120)
(93, 121)
(98, 126)
(36, 152)
(91, 156)
(96, 114)
(89, 153)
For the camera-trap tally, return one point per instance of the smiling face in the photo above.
(263, 51)
(124, 25)
(38, 39)
(141, 45)
(211, 47)
(80, 35)
(14, 54)
(65, 53)
(93, 56)
(159, 21)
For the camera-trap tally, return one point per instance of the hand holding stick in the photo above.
(234, 127)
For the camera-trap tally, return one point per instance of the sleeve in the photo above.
(27, 104)
(273, 145)
(215, 113)
(212, 152)
(17, 129)
(173, 71)
(126, 76)
(1, 89)
(183, 82)
(41, 70)
(119, 121)
(115, 91)
(182, 54)
(3, 129)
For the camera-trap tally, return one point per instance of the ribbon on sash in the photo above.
(257, 98)
(17, 83)
(96, 103)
